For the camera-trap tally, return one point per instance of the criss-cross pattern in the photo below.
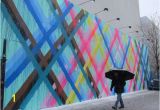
(69, 51)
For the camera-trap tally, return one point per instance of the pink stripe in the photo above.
(92, 60)
(124, 52)
(133, 69)
(136, 62)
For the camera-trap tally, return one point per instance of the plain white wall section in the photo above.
(126, 10)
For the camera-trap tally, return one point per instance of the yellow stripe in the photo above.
(88, 62)
(98, 45)
(80, 79)
(90, 22)
(106, 28)
(72, 95)
(99, 39)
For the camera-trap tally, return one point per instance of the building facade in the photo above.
(58, 54)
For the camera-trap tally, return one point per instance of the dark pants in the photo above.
(119, 99)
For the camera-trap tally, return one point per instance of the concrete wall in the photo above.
(126, 10)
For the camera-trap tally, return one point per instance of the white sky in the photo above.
(149, 7)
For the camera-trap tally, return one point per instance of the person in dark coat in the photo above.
(118, 84)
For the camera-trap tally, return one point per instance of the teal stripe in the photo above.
(83, 72)
(30, 55)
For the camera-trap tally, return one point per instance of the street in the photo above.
(143, 100)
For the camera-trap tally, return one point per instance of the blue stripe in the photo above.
(125, 55)
(100, 29)
(60, 62)
(31, 9)
(140, 60)
(143, 70)
(37, 66)
(64, 70)
(46, 72)
(146, 65)
(107, 42)
(83, 72)
(64, 45)
(66, 37)
(24, 63)
(16, 30)
(62, 17)
(15, 73)
(69, 79)
(60, 51)
(53, 92)
(13, 62)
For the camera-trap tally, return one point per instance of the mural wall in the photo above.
(58, 53)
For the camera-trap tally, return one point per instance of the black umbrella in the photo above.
(120, 73)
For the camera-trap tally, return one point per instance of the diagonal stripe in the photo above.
(125, 55)
(91, 58)
(78, 60)
(25, 44)
(69, 79)
(135, 63)
(142, 68)
(85, 43)
(105, 41)
(16, 30)
(57, 55)
(71, 84)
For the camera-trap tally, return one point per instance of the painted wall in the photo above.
(57, 54)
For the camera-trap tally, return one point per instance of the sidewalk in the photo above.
(141, 100)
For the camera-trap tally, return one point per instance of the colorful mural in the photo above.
(58, 53)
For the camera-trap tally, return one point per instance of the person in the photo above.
(118, 84)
